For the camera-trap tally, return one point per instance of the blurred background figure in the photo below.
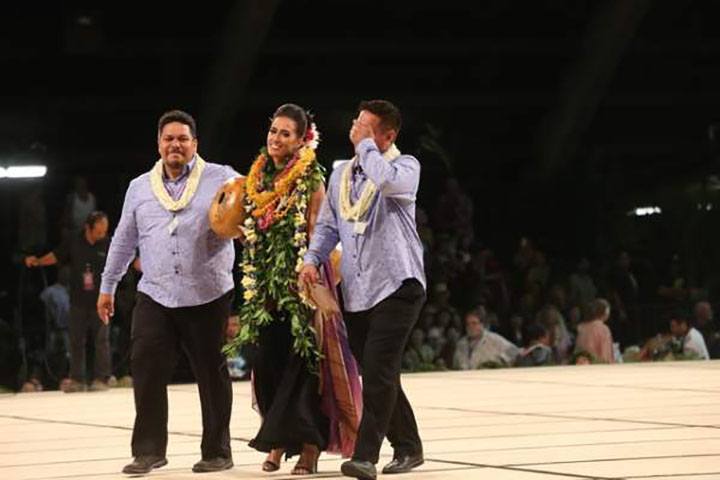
(481, 347)
(85, 253)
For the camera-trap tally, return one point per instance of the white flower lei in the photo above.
(156, 183)
(354, 212)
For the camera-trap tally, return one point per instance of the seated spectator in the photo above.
(690, 339)
(703, 320)
(32, 385)
(594, 335)
(481, 347)
(538, 351)
(582, 358)
(560, 340)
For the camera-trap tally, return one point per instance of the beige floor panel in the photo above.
(659, 421)
(631, 468)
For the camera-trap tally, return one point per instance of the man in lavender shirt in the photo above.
(370, 210)
(183, 297)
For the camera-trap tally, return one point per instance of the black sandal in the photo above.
(302, 468)
(271, 466)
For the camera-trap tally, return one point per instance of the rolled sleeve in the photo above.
(326, 235)
(122, 247)
(398, 179)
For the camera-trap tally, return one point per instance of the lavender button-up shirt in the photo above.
(184, 262)
(375, 263)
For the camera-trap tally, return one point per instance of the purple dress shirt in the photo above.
(184, 262)
(376, 262)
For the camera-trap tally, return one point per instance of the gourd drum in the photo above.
(226, 211)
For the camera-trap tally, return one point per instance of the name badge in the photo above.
(360, 227)
(173, 225)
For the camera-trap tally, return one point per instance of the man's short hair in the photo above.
(389, 114)
(95, 217)
(680, 315)
(478, 312)
(180, 117)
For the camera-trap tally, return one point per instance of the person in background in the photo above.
(538, 351)
(85, 252)
(691, 340)
(705, 324)
(79, 204)
(594, 336)
(481, 347)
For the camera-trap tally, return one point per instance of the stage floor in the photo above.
(635, 421)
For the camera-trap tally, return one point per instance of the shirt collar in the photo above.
(186, 171)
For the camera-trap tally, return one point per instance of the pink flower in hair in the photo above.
(312, 137)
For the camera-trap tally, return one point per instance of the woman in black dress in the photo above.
(305, 381)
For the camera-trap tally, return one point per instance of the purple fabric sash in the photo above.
(340, 388)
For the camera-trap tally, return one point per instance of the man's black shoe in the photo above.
(359, 469)
(213, 465)
(403, 464)
(144, 464)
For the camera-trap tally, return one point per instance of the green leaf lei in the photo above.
(270, 264)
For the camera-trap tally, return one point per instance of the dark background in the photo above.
(558, 117)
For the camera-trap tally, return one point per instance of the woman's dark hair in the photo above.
(180, 117)
(297, 114)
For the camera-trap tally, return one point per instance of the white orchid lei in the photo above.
(271, 260)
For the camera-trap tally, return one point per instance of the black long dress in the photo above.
(287, 395)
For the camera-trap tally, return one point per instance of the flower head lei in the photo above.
(312, 135)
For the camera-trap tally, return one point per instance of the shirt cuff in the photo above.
(108, 288)
(364, 146)
(311, 259)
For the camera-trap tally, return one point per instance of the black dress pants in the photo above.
(378, 337)
(157, 334)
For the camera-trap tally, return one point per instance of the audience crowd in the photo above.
(481, 312)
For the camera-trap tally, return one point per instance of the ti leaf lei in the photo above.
(270, 264)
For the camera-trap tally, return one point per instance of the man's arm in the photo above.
(44, 261)
(61, 254)
(120, 254)
(324, 237)
(398, 179)
(122, 247)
